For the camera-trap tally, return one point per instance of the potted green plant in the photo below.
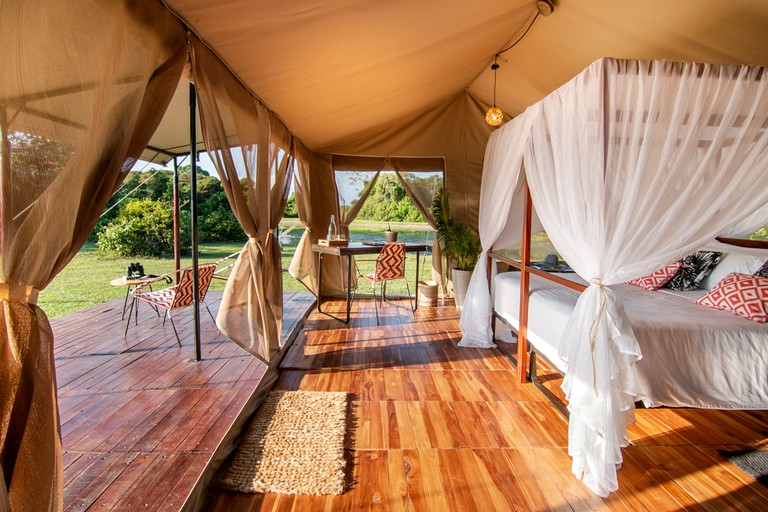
(461, 245)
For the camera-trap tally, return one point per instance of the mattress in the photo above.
(693, 356)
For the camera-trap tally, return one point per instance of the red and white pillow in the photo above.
(743, 294)
(657, 279)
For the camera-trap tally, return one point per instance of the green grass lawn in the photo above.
(85, 281)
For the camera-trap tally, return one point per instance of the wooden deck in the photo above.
(139, 421)
(438, 428)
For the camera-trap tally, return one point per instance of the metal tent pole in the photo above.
(176, 222)
(193, 215)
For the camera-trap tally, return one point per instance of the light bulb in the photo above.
(494, 117)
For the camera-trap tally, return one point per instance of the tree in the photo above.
(291, 211)
(388, 201)
(217, 222)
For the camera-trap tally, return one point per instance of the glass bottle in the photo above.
(332, 230)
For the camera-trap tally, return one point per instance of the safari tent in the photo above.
(287, 92)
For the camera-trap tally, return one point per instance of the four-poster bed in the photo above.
(631, 166)
(694, 356)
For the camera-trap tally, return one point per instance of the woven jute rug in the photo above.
(295, 446)
(752, 462)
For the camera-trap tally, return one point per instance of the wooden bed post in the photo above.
(522, 336)
(489, 275)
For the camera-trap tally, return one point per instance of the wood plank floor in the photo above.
(438, 428)
(139, 420)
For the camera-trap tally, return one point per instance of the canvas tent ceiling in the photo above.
(334, 69)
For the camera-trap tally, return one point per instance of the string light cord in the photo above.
(494, 117)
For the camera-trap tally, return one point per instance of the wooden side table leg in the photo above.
(319, 282)
(125, 302)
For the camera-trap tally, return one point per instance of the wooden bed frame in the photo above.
(526, 359)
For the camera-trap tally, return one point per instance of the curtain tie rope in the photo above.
(598, 283)
(18, 293)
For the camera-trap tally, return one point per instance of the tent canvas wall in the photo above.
(96, 77)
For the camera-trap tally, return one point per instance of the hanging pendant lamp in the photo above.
(494, 116)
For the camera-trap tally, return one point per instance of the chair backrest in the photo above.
(391, 262)
(184, 291)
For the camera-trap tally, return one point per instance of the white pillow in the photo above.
(733, 262)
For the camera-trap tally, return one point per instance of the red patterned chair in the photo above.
(390, 265)
(175, 297)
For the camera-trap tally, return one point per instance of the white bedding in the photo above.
(693, 356)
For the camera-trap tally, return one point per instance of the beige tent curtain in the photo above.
(355, 177)
(316, 201)
(253, 153)
(301, 267)
(82, 88)
(421, 178)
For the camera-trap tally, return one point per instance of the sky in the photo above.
(203, 161)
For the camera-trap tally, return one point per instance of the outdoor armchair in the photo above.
(175, 297)
(390, 266)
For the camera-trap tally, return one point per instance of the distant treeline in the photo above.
(138, 219)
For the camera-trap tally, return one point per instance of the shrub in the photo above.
(220, 226)
(143, 228)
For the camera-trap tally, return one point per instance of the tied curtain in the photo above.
(631, 166)
(500, 199)
(82, 88)
(421, 178)
(316, 201)
(301, 267)
(252, 151)
(354, 178)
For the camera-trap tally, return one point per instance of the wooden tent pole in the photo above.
(522, 337)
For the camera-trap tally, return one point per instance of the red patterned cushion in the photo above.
(658, 279)
(744, 294)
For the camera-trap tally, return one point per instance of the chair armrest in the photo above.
(164, 277)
